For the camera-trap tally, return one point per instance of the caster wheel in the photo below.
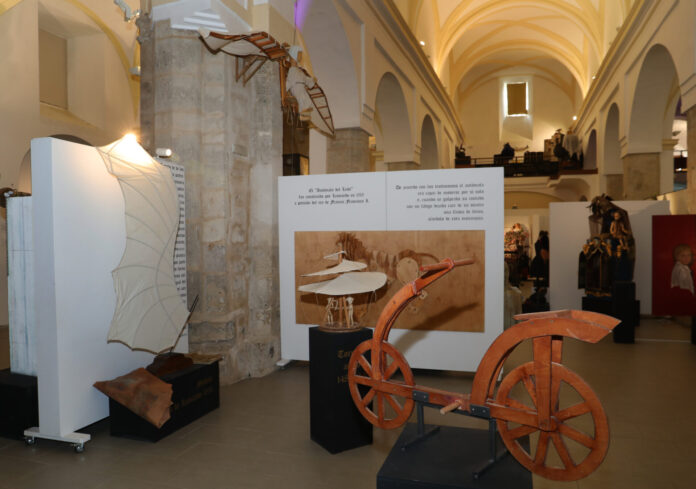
(79, 448)
(29, 440)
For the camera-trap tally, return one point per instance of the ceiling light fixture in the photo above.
(422, 43)
(575, 118)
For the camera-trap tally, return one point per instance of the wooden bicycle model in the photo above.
(386, 399)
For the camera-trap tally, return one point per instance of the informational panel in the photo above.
(570, 229)
(421, 201)
(179, 176)
(79, 238)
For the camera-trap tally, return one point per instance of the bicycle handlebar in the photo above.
(444, 264)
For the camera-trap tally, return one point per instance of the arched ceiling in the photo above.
(463, 37)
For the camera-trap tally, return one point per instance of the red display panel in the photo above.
(674, 254)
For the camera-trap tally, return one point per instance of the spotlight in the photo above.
(163, 152)
(422, 43)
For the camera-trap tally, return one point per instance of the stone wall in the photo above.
(229, 138)
(641, 176)
(348, 152)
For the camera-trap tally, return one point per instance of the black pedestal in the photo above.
(196, 391)
(448, 459)
(19, 404)
(335, 422)
(621, 305)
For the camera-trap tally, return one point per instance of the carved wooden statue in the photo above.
(383, 389)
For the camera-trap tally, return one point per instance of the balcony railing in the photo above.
(527, 166)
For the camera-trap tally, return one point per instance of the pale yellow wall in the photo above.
(529, 200)
(53, 69)
(486, 131)
(100, 99)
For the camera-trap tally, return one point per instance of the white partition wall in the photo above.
(398, 201)
(79, 237)
(569, 229)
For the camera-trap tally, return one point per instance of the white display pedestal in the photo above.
(79, 236)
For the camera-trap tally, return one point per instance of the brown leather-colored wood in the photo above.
(375, 362)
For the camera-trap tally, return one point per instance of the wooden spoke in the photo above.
(380, 405)
(573, 411)
(536, 459)
(365, 365)
(531, 388)
(514, 403)
(359, 379)
(521, 431)
(576, 435)
(396, 394)
(542, 448)
(562, 451)
(368, 397)
(393, 368)
(393, 403)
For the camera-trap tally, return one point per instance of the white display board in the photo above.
(79, 238)
(569, 229)
(390, 201)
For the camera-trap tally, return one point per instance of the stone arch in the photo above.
(648, 164)
(393, 132)
(611, 157)
(333, 62)
(590, 152)
(657, 81)
(429, 155)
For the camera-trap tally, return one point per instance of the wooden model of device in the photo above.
(382, 386)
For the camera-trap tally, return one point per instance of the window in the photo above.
(53, 69)
(516, 98)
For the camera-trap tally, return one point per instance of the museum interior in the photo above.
(213, 214)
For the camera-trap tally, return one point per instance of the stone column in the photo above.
(229, 138)
(348, 152)
(691, 160)
(641, 176)
(614, 185)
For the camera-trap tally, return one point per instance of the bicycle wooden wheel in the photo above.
(589, 444)
(384, 401)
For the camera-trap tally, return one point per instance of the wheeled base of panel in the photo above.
(448, 459)
(77, 440)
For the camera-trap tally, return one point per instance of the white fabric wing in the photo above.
(150, 313)
(347, 284)
(344, 266)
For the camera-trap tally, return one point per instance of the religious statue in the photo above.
(609, 254)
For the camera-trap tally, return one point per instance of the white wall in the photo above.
(569, 231)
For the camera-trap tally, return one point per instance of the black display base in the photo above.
(621, 305)
(19, 404)
(196, 391)
(335, 422)
(448, 459)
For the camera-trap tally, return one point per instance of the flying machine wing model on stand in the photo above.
(299, 91)
(340, 290)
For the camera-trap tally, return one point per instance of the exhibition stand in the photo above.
(196, 392)
(335, 423)
(68, 237)
(449, 458)
(19, 408)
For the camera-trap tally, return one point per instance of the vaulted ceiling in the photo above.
(474, 40)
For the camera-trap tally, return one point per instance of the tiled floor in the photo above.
(259, 438)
